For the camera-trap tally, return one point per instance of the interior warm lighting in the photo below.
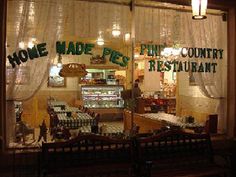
(33, 39)
(116, 30)
(199, 9)
(168, 51)
(100, 41)
(21, 45)
(30, 44)
(136, 55)
(127, 36)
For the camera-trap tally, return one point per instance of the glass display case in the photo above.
(102, 96)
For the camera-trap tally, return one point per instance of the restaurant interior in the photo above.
(83, 45)
(116, 69)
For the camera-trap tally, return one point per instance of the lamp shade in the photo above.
(199, 9)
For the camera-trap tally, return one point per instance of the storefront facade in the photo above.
(231, 81)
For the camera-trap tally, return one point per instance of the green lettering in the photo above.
(115, 56)
(61, 47)
(201, 68)
(13, 59)
(209, 52)
(214, 67)
(194, 66)
(71, 48)
(214, 51)
(79, 48)
(159, 66)
(175, 63)
(167, 66)
(23, 55)
(149, 50)
(186, 66)
(151, 65)
(207, 67)
(88, 48)
(221, 53)
(180, 66)
(42, 49)
(202, 52)
(32, 53)
(106, 51)
(143, 47)
(155, 50)
(125, 60)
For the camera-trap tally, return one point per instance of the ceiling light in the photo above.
(116, 32)
(199, 9)
(21, 45)
(100, 41)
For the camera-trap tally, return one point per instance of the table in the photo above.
(56, 103)
(67, 109)
(154, 121)
(82, 119)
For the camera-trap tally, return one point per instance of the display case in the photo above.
(102, 96)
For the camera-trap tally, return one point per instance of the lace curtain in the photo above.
(210, 33)
(49, 21)
(27, 20)
(171, 27)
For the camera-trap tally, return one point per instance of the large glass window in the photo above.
(69, 62)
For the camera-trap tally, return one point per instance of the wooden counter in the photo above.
(146, 125)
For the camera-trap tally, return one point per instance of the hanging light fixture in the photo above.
(199, 8)
(100, 40)
(116, 30)
(59, 61)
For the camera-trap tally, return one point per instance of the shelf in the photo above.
(98, 95)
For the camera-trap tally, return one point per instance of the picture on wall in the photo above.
(54, 79)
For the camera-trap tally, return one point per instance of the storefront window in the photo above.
(77, 54)
(70, 69)
(181, 66)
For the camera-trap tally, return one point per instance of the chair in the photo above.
(22, 130)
